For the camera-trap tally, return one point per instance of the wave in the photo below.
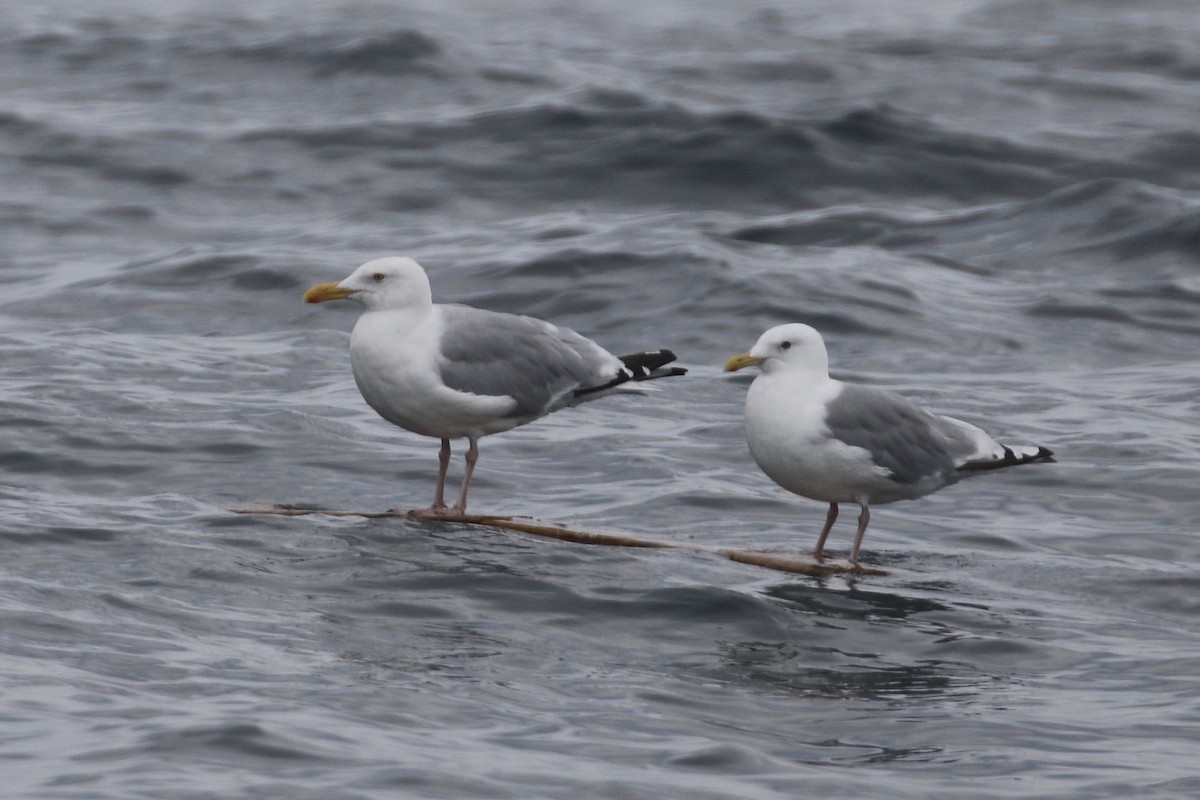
(1120, 218)
(627, 147)
(387, 52)
(396, 52)
(119, 158)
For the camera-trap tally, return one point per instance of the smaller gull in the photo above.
(453, 371)
(844, 443)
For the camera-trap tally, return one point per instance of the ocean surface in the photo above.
(991, 206)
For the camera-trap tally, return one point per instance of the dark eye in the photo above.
(378, 277)
(785, 346)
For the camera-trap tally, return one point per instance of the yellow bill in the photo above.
(741, 360)
(326, 291)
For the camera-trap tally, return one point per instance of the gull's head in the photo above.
(795, 346)
(394, 282)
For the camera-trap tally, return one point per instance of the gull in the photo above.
(839, 442)
(454, 371)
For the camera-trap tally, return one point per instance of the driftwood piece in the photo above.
(784, 563)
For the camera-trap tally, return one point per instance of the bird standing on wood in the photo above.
(839, 442)
(453, 371)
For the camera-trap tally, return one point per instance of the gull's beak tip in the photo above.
(326, 291)
(740, 361)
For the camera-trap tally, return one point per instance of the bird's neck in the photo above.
(392, 320)
(792, 385)
(808, 373)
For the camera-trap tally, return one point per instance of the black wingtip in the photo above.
(1044, 455)
(647, 361)
(645, 366)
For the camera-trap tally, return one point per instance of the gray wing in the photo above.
(534, 362)
(898, 434)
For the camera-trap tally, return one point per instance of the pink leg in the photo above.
(438, 508)
(863, 519)
(472, 456)
(439, 496)
(830, 518)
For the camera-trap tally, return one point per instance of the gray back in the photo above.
(899, 434)
(532, 361)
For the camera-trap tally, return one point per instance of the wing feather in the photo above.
(538, 364)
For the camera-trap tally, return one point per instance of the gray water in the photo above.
(992, 207)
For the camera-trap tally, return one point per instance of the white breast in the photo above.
(786, 431)
(394, 358)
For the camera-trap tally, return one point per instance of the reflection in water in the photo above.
(851, 604)
(863, 676)
(850, 650)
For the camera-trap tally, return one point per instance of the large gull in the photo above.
(453, 371)
(844, 443)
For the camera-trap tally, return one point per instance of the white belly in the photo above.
(787, 435)
(402, 384)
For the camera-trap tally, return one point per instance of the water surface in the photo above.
(993, 207)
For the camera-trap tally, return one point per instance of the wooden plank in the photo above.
(776, 561)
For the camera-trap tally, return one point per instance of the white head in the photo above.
(385, 283)
(795, 347)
